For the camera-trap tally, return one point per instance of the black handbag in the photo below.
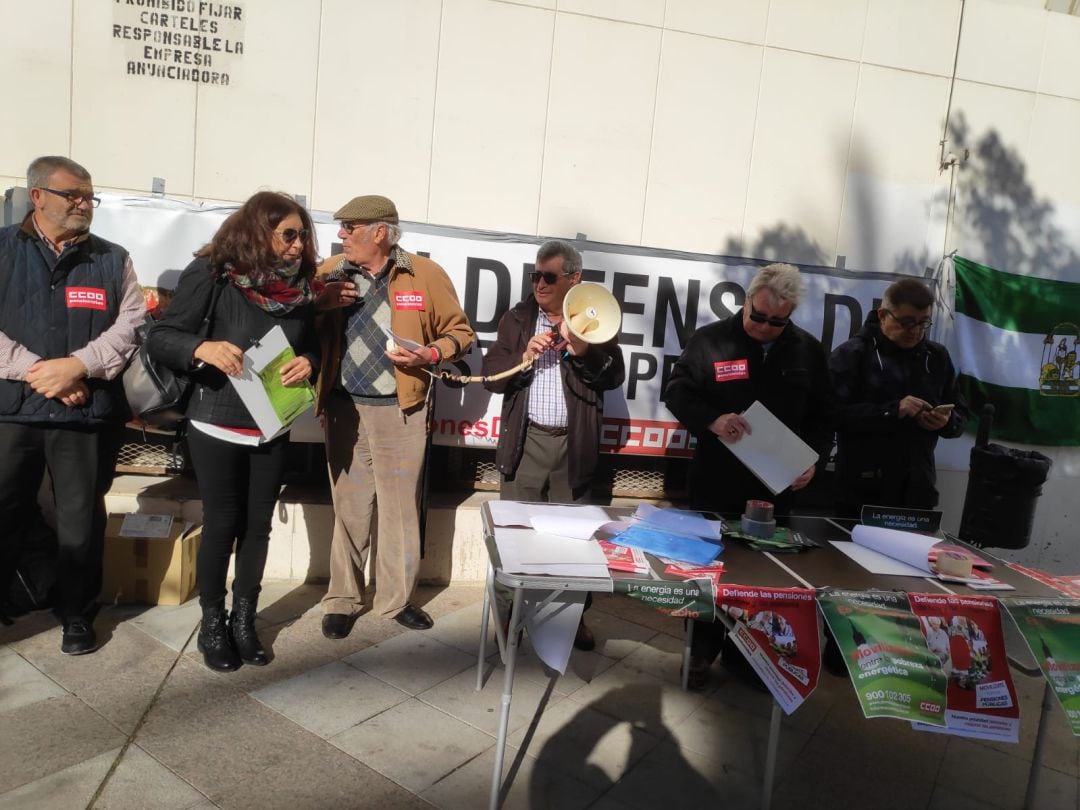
(157, 395)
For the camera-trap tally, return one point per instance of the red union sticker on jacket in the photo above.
(409, 299)
(85, 298)
(727, 370)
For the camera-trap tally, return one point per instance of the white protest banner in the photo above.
(664, 295)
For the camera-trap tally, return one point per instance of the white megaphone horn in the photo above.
(592, 313)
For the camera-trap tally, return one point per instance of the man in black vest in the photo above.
(69, 305)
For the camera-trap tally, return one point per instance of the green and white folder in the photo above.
(273, 406)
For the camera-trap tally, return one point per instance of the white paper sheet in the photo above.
(508, 540)
(552, 628)
(515, 513)
(579, 528)
(772, 451)
(875, 562)
(907, 547)
(404, 342)
(536, 548)
(137, 525)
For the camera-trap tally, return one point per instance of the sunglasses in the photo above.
(290, 235)
(908, 323)
(74, 198)
(759, 317)
(549, 278)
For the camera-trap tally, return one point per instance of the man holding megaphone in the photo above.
(549, 441)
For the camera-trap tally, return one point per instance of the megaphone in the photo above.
(592, 313)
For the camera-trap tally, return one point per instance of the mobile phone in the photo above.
(944, 409)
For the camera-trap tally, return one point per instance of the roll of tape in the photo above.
(758, 528)
(759, 510)
(953, 564)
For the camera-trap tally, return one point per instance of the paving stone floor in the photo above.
(390, 718)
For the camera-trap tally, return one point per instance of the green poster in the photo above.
(288, 401)
(694, 599)
(1051, 628)
(893, 671)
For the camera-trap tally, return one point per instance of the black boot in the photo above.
(214, 642)
(242, 630)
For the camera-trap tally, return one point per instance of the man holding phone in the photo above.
(895, 396)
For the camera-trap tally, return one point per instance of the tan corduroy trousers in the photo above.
(375, 455)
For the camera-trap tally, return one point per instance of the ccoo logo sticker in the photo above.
(85, 298)
(410, 299)
(731, 370)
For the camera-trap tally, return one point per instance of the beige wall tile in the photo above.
(600, 117)
(801, 144)
(490, 112)
(645, 12)
(898, 123)
(700, 162)
(376, 101)
(257, 133)
(1002, 44)
(1060, 73)
(127, 129)
(548, 4)
(979, 110)
(35, 57)
(1053, 169)
(826, 27)
(742, 20)
(915, 35)
(892, 171)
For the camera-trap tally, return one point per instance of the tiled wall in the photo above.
(807, 131)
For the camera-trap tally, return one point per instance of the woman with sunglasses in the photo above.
(255, 274)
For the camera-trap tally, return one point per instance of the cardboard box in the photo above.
(150, 561)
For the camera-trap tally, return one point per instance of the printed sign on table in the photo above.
(776, 629)
(964, 632)
(1051, 628)
(892, 669)
(693, 599)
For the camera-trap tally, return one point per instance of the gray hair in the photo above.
(556, 247)
(393, 232)
(41, 169)
(781, 280)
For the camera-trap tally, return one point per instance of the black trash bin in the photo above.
(1003, 487)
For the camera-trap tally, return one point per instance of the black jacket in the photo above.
(173, 340)
(791, 380)
(882, 459)
(584, 378)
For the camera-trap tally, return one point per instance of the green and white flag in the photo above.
(1016, 347)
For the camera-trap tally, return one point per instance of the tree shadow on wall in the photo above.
(999, 209)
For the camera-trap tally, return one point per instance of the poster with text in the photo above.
(1051, 628)
(690, 599)
(964, 632)
(892, 669)
(776, 629)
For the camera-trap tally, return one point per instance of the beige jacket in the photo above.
(423, 307)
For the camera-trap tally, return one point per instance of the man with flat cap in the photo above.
(375, 401)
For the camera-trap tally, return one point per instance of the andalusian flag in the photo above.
(1017, 339)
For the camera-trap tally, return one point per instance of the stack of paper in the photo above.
(525, 551)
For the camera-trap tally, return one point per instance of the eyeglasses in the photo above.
(908, 323)
(549, 278)
(74, 198)
(290, 235)
(349, 227)
(760, 317)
